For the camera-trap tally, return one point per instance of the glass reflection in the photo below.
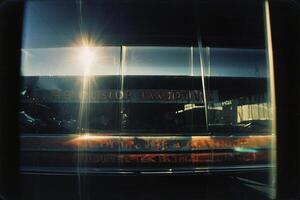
(150, 95)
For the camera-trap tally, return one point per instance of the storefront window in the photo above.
(156, 87)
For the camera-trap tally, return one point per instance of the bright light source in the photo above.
(86, 57)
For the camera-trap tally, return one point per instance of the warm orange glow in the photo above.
(156, 149)
(163, 143)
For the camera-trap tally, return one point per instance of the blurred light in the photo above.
(86, 57)
(245, 150)
(86, 53)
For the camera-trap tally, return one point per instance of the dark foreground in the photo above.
(145, 187)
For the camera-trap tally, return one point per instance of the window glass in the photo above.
(236, 81)
(161, 61)
(170, 88)
(147, 87)
(71, 61)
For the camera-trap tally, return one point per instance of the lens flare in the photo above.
(86, 57)
(85, 53)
